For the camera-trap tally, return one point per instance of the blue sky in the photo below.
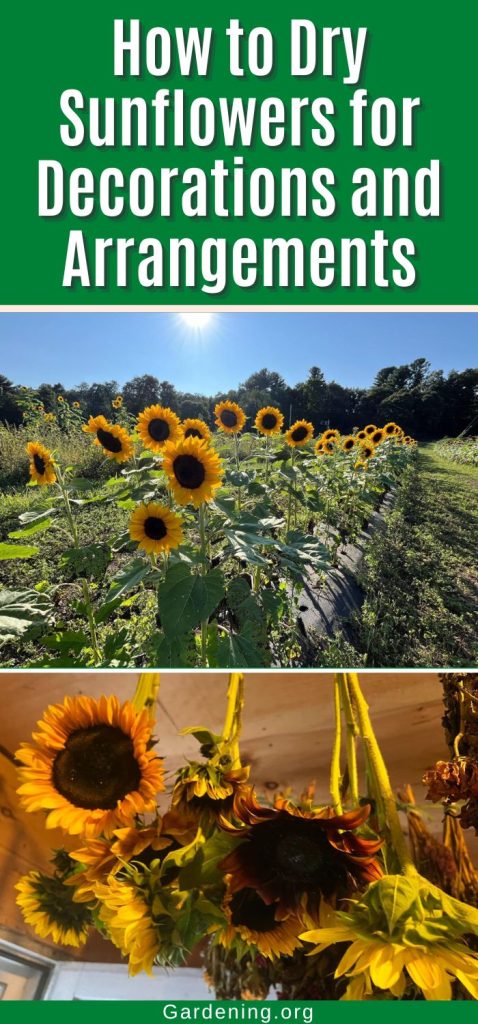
(349, 347)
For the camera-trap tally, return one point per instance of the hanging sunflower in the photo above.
(370, 429)
(48, 906)
(299, 434)
(269, 420)
(158, 425)
(127, 917)
(207, 789)
(377, 437)
(114, 441)
(288, 852)
(229, 417)
(90, 767)
(255, 922)
(391, 429)
(348, 443)
(194, 470)
(156, 528)
(196, 428)
(42, 467)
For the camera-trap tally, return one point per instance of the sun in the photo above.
(197, 320)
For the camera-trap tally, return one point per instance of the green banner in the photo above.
(239, 154)
(269, 1012)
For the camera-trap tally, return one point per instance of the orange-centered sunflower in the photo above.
(269, 420)
(288, 852)
(157, 426)
(90, 766)
(299, 433)
(229, 417)
(194, 470)
(196, 428)
(42, 467)
(114, 441)
(156, 528)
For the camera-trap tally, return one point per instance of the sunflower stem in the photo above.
(351, 736)
(267, 458)
(289, 505)
(146, 693)
(335, 761)
(84, 583)
(203, 545)
(379, 769)
(236, 447)
(233, 720)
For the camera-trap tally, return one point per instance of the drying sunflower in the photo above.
(194, 470)
(127, 918)
(299, 434)
(230, 418)
(157, 426)
(196, 428)
(48, 906)
(90, 766)
(255, 922)
(114, 440)
(288, 852)
(269, 421)
(156, 528)
(42, 466)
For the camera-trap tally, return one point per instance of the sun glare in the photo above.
(197, 320)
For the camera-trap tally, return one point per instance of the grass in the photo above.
(420, 576)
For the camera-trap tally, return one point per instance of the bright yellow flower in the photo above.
(194, 471)
(196, 428)
(114, 441)
(269, 420)
(42, 467)
(157, 426)
(230, 418)
(50, 909)
(129, 923)
(156, 528)
(299, 434)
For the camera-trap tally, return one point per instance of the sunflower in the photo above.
(288, 852)
(229, 417)
(48, 906)
(196, 428)
(49, 417)
(255, 922)
(361, 435)
(269, 420)
(42, 467)
(391, 429)
(377, 437)
(112, 438)
(348, 443)
(127, 917)
(319, 447)
(76, 405)
(205, 789)
(90, 767)
(117, 402)
(299, 433)
(328, 435)
(370, 429)
(60, 398)
(366, 450)
(194, 470)
(158, 425)
(403, 925)
(329, 446)
(156, 528)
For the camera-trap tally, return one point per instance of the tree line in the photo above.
(427, 403)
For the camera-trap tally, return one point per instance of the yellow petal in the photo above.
(386, 967)
(471, 984)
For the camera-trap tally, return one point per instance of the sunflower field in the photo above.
(464, 450)
(320, 902)
(168, 543)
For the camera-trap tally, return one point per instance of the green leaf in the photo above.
(171, 653)
(128, 578)
(186, 599)
(69, 640)
(239, 652)
(28, 531)
(88, 560)
(35, 516)
(12, 551)
(20, 610)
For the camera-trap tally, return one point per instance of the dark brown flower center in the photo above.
(109, 441)
(248, 909)
(96, 768)
(228, 417)
(159, 430)
(39, 464)
(189, 471)
(348, 445)
(155, 528)
(269, 421)
(299, 433)
(192, 432)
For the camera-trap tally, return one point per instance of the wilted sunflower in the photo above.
(288, 852)
(156, 528)
(299, 433)
(90, 767)
(391, 429)
(377, 437)
(196, 428)
(128, 920)
(370, 429)
(114, 441)
(348, 443)
(255, 922)
(48, 906)
(158, 425)
(194, 470)
(42, 467)
(229, 417)
(269, 420)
